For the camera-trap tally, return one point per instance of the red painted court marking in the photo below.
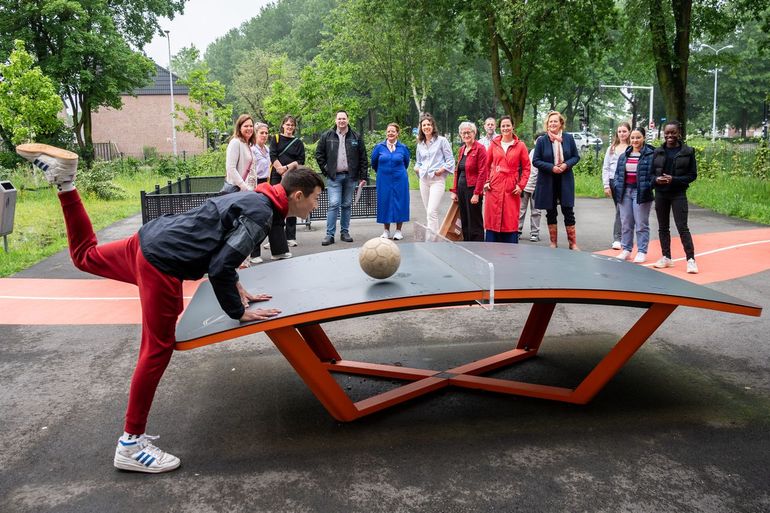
(41, 301)
(720, 256)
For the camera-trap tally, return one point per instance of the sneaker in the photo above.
(533, 237)
(282, 256)
(692, 267)
(266, 245)
(623, 255)
(292, 243)
(345, 237)
(616, 245)
(663, 263)
(59, 166)
(140, 455)
(256, 260)
(640, 258)
(385, 235)
(329, 239)
(398, 235)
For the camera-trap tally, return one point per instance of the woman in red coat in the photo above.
(508, 160)
(470, 177)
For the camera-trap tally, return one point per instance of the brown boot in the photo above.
(553, 234)
(571, 238)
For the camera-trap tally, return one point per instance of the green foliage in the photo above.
(98, 181)
(738, 196)
(29, 104)
(87, 48)
(186, 60)
(327, 86)
(761, 166)
(208, 114)
(588, 175)
(283, 98)
(253, 84)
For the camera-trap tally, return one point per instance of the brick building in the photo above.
(144, 121)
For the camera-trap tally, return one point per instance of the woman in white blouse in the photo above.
(434, 160)
(239, 158)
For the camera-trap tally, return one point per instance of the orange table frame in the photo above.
(307, 348)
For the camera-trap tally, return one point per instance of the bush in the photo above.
(98, 181)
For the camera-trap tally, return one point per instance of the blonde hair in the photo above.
(616, 140)
(554, 113)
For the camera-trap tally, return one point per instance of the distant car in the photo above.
(585, 140)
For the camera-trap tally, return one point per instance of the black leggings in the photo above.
(676, 203)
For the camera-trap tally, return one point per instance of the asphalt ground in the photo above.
(682, 427)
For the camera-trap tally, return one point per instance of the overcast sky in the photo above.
(203, 22)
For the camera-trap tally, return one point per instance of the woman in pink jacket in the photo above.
(509, 166)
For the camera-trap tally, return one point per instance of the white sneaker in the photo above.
(282, 256)
(616, 245)
(385, 235)
(266, 245)
(398, 235)
(692, 267)
(663, 263)
(640, 258)
(140, 455)
(59, 166)
(623, 255)
(292, 243)
(256, 260)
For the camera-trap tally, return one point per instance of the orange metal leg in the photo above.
(316, 338)
(534, 330)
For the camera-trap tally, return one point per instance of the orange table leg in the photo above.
(316, 338)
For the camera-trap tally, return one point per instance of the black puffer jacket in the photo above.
(685, 169)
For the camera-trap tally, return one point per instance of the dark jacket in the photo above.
(326, 154)
(542, 159)
(214, 238)
(644, 175)
(285, 151)
(685, 169)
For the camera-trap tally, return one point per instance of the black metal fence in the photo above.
(190, 192)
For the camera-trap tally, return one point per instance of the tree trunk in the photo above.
(87, 152)
(671, 64)
(514, 101)
(534, 120)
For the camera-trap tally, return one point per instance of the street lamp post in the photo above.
(716, 75)
(171, 87)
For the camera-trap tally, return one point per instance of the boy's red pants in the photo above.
(160, 296)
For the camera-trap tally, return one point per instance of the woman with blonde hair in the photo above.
(239, 158)
(616, 149)
(555, 155)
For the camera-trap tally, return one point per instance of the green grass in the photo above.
(39, 226)
(743, 197)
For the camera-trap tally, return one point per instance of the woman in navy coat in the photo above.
(390, 160)
(555, 155)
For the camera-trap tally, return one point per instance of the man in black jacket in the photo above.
(341, 156)
(213, 238)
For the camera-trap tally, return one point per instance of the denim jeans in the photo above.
(634, 217)
(340, 192)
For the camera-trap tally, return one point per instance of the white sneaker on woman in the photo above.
(385, 234)
(623, 255)
(398, 235)
(640, 258)
(692, 267)
(616, 245)
(663, 263)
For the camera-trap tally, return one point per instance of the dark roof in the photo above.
(159, 84)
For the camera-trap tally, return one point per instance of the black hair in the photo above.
(301, 179)
(641, 130)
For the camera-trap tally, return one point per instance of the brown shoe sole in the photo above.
(34, 149)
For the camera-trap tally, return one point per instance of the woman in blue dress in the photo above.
(390, 160)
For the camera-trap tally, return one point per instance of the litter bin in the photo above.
(7, 210)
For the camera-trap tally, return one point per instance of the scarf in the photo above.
(558, 152)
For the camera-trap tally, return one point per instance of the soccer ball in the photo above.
(379, 258)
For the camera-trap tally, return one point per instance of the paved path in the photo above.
(684, 426)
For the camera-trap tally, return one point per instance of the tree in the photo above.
(87, 48)
(283, 98)
(29, 104)
(253, 80)
(185, 61)
(209, 115)
(325, 88)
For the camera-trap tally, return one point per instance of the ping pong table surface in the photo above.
(314, 289)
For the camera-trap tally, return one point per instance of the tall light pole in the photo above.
(716, 74)
(171, 87)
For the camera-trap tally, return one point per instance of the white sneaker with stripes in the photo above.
(140, 455)
(59, 166)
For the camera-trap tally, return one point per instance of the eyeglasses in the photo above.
(466, 132)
